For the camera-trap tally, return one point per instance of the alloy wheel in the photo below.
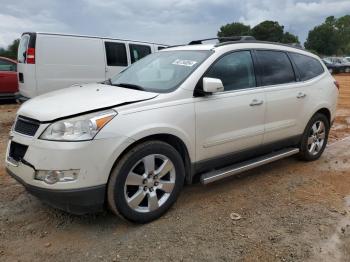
(316, 138)
(150, 183)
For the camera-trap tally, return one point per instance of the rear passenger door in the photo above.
(116, 57)
(283, 107)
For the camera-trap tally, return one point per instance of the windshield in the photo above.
(161, 72)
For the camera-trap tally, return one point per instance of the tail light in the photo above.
(31, 56)
(336, 83)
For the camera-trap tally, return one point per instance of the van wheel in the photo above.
(315, 138)
(146, 182)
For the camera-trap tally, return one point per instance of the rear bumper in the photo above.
(76, 201)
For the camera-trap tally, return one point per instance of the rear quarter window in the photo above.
(308, 67)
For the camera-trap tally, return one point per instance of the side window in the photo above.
(7, 66)
(276, 68)
(235, 70)
(116, 54)
(308, 67)
(138, 51)
(160, 48)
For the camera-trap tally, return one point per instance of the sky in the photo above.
(160, 21)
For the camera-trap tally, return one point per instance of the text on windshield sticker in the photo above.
(184, 62)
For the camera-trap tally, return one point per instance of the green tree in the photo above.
(268, 31)
(343, 26)
(331, 37)
(289, 38)
(234, 29)
(11, 50)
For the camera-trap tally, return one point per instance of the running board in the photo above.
(235, 169)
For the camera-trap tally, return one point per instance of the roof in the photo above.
(250, 44)
(89, 36)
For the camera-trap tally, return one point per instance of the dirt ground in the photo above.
(291, 211)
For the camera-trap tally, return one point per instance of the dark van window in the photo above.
(160, 48)
(235, 70)
(116, 54)
(276, 68)
(308, 67)
(138, 51)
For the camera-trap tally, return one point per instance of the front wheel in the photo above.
(146, 182)
(315, 138)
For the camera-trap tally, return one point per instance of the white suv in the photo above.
(206, 111)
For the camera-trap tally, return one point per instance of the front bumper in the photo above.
(75, 201)
(94, 160)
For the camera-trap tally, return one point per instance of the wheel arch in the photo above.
(170, 139)
(326, 112)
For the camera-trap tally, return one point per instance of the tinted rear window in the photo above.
(116, 54)
(7, 65)
(138, 51)
(308, 67)
(276, 68)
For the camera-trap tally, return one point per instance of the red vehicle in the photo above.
(8, 78)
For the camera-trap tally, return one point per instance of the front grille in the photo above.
(17, 151)
(26, 126)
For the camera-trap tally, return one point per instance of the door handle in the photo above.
(256, 102)
(301, 95)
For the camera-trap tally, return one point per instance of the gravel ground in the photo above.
(290, 211)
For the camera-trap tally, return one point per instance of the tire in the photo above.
(146, 182)
(315, 137)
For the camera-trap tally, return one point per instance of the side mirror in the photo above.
(212, 85)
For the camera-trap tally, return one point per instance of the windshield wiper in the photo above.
(131, 86)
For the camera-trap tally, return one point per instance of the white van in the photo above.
(48, 61)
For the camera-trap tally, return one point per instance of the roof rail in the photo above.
(222, 39)
(293, 45)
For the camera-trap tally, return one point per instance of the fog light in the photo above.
(54, 176)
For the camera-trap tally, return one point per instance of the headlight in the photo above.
(79, 128)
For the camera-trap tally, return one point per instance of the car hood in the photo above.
(79, 99)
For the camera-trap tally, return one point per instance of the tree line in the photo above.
(332, 37)
(11, 50)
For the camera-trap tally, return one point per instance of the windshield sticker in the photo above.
(184, 62)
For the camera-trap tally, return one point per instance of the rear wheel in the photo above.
(315, 138)
(146, 182)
